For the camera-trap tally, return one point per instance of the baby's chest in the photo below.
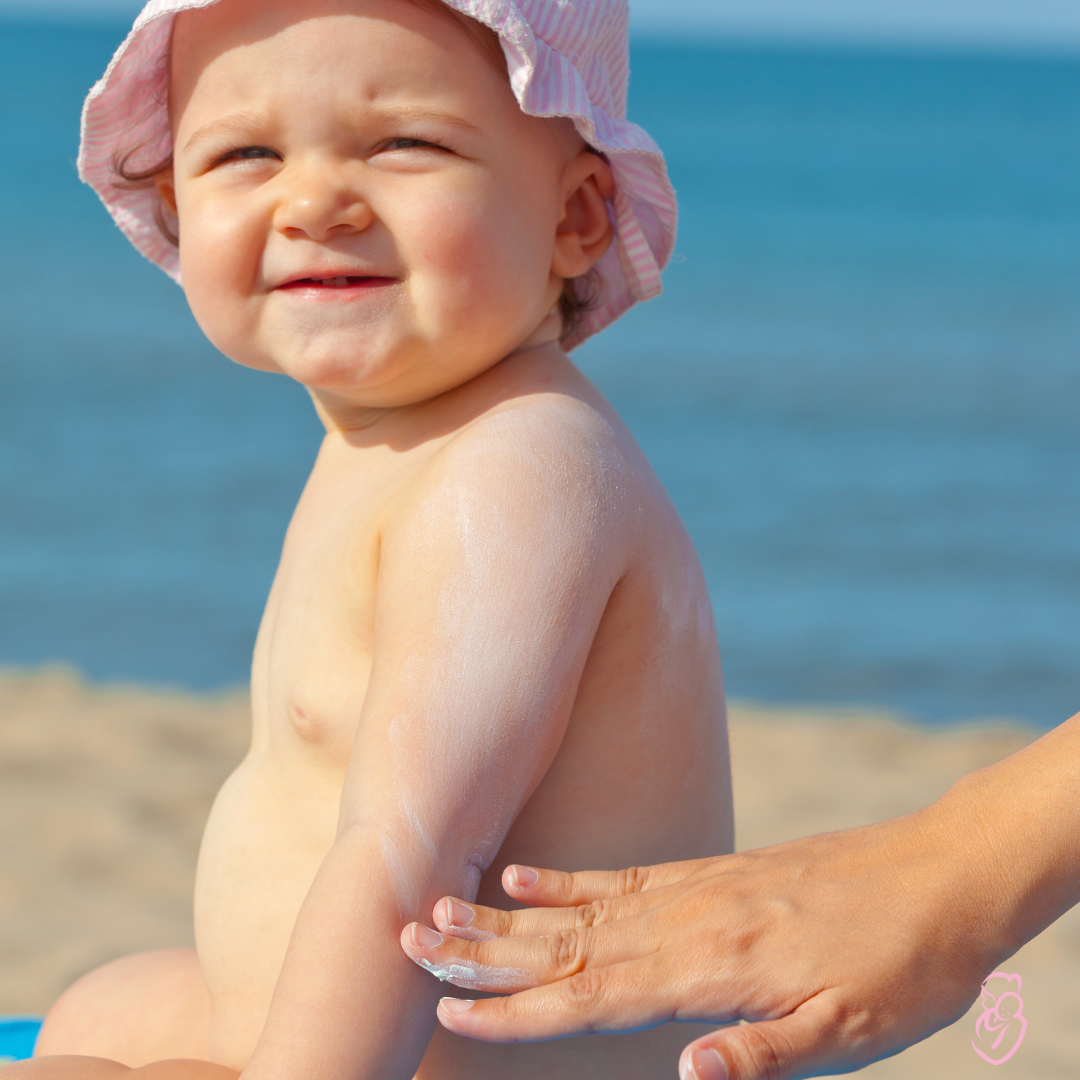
(314, 649)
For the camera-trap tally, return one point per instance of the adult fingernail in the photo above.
(455, 1005)
(704, 1065)
(524, 876)
(424, 937)
(458, 914)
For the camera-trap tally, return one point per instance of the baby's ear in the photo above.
(584, 232)
(165, 182)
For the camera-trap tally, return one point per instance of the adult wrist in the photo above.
(969, 897)
(1012, 832)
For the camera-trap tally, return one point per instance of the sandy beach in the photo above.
(104, 791)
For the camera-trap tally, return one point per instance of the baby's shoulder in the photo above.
(538, 462)
(552, 445)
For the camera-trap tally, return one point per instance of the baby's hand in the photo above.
(72, 1067)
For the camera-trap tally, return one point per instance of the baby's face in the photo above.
(362, 203)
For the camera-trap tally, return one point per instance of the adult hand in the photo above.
(820, 943)
(838, 949)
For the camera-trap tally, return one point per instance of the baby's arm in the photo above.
(493, 577)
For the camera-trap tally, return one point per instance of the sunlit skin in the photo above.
(489, 639)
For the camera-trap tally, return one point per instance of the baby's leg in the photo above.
(64, 1068)
(88, 1068)
(149, 1007)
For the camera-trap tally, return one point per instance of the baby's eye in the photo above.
(250, 153)
(411, 144)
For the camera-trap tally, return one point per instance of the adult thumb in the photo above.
(799, 1044)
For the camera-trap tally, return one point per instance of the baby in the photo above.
(489, 641)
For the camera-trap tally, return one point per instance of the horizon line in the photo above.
(711, 33)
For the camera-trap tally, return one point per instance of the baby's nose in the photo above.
(320, 206)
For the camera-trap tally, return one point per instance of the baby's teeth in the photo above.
(337, 282)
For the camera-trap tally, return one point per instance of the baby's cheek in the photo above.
(219, 262)
(478, 266)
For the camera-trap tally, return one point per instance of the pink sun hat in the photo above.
(565, 57)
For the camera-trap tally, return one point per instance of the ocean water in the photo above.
(861, 387)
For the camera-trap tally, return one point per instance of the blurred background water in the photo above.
(861, 386)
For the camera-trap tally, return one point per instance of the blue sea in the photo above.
(861, 387)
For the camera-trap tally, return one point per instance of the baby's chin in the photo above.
(360, 368)
(376, 359)
(350, 364)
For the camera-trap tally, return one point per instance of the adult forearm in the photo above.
(348, 1005)
(1016, 827)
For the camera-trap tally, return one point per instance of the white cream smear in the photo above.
(467, 933)
(471, 976)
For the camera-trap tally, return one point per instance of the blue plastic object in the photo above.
(17, 1037)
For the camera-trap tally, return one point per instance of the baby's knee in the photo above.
(135, 1010)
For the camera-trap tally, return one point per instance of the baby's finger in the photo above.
(625, 997)
(557, 888)
(510, 964)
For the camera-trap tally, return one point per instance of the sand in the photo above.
(104, 791)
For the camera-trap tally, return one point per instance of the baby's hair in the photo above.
(136, 179)
(579, 295)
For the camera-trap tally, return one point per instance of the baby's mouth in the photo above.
(352, 281)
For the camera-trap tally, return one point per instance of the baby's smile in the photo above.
(343, 284)
(334, 282)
